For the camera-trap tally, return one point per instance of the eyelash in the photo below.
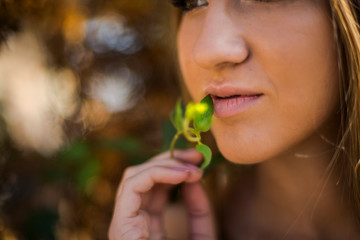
(188, 5)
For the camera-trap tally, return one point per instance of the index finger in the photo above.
(201, 217)
(190, 155)
(133, 187)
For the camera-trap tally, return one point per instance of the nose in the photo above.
(220, 42)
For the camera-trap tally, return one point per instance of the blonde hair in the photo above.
(346, 14)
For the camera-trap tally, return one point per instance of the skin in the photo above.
(284, 50)
(267, 48)
(142, 197)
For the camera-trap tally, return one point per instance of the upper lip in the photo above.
(227, 90)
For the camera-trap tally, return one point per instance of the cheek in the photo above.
(308, 88)
(303, 73)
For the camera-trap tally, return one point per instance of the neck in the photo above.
(300, 188)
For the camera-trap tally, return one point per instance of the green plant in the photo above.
(197, 119)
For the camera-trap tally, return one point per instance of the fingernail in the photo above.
(193, 167)
(181, 169)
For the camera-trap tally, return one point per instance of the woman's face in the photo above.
(271, 67)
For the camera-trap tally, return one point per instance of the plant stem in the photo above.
(191, 138)
(172, 145)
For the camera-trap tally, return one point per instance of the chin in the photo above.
(237, 154)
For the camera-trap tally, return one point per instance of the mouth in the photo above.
(215, 97)
(232, 99)
(231, 105)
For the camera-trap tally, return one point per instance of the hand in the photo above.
(143, 193)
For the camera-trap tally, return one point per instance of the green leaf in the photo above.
(206, 152)
(202, 122)
(176, 116)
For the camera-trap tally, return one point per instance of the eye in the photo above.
(267, 0)
(189, 5)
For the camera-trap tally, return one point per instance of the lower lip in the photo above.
(228, 107)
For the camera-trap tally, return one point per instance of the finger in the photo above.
(126, 229)
(157, 201)
(199, 210)
(190, 155)
(187, 158)
(127, 217)
(159, 194)
(133, 187)
(154, 203)
(157, 198)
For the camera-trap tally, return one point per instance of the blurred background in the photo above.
(86, 88)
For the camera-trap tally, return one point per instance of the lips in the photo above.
(231, 100)
(234, 96)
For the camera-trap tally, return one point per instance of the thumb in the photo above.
(201, 219)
